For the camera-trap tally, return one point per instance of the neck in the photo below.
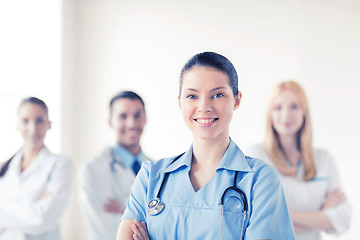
(209, 151)
(289, 146)
(133, 149)
(30, 152)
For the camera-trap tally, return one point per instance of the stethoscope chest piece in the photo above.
(155, 207)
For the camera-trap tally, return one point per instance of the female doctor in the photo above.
(34, 183)
(309, 176)
(212, 191)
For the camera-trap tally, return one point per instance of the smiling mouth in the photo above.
(205, 120)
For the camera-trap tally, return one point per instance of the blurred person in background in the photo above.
(106, 180)
(35, 183)
(309, 176)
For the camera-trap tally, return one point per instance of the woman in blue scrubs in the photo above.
(191, 188)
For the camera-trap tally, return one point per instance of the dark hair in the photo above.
(126, 94)
(36, 101)
(213, 60)
(5, 166)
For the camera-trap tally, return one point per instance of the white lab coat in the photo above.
(23, 215)
(98, 183)
(310, 195)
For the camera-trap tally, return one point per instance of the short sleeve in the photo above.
(269, 218)
(136, 204)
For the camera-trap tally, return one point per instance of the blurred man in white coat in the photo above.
(106, 180)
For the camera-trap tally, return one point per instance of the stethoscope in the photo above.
(155, 206)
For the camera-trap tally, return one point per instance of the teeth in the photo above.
(205, 121)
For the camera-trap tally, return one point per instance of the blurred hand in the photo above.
(45, 195)
(333, 199)
(112, 206)
(140, 230)
(298, 228)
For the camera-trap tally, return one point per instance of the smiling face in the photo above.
(287, 116)
(207, 102)
(33, 124)
(128, 120)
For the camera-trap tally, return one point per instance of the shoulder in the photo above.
(58, 160)
(97, 164)
(323, 158)
(255, 149)
(263, 173)
(261, 168)
(320, 153)
(156, 167)
(102, 158)
(258, 152)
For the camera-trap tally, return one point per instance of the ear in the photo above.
(145, 119)
(49, 125)
(237, 100)
(110, 124)
(179, 101)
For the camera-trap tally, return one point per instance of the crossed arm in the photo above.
(305, 221)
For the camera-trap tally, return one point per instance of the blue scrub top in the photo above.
(197, 215)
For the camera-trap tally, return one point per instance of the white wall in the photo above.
(112, 45)
(30, 51)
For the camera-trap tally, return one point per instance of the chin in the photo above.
(131, 144)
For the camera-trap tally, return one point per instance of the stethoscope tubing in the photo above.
(153, 211)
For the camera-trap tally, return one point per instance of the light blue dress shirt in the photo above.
(127, 157)
(197, 215)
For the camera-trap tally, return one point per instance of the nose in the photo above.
(131, 122)
(204, 106)
(31, 127)
(285, 113)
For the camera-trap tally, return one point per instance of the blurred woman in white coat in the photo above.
(309, 176)
(34, 183)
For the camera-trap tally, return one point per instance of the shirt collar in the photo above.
(184, 160)
(233, 159)
(126, 156)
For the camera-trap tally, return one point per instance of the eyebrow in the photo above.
(195, 90)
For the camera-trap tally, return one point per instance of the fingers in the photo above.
(113, 206)
(336, 196)
(45, 195)
(333, 199)
(140, 230)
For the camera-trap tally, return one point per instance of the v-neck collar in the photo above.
(38, 159)
(233, 159)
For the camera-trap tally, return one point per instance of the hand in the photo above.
(45, 195)
(333, 199)
(140, 230)
(112, 206)
(298, 228)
